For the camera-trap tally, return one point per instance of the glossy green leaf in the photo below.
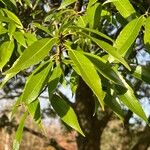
(19, 36)
(11, 29)
(110, 50)
(65, 112)
(19, 132)
(54, 80)
(91, 2)
(33, 54)
(112, 103)
(147, 34)
(66, 3)
(30, 38)
(93, 31)
(129, 99)
(36, 82)
(88, 73)
(142, 73)
(35, 111)
(104, 69)
(6, 50)
(94, 15)
(13, 17)
(123, 6)
(128, 35)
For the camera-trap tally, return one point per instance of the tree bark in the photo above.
(91, 125)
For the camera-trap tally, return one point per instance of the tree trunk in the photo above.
(91, 126)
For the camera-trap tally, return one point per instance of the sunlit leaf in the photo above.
(110, 50)
(104, 68)
(128, 35)
(147, 34)
(13, 17)
(19, 132)
(19, 36)
(123, 6)
(129, 99)
(54, 80)
(88, 73)
(33, 54)
(65, 112)
(36, 82)
(6, 50)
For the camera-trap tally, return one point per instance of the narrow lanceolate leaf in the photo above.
(110, 50)
(128, 35)
(13, 17)
(65, 112)
(54, 80)
(35, 111)
(36, 82)
(33, 54)
(114, 105)
(66, 3)
(88, 73)
(147, 34)
(142, 73)
(19, 132)
(129, 99)
(93, 15)
(123, 6)
(92, 31)
(6, 50)
(104, 68)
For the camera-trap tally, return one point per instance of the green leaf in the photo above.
(65, 112)
(94, 15)
(35, 111)
(128, 35)
(104, 68)
(11, 29)
(88, 73)
(36, 82)
(110, 50)
(91, 2)
(13, 17)
(93, 31)
(123, 6)
(19, 36)
(18, 135)
(142, 73)
(147, 34)
(129, 99)
(41, 27)
(33, 54)
(7, 77)
(3, 30)
(54, 80)
(114, 105)
(66, 3)
(30, 38)
(6, 49)
(28, 2)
